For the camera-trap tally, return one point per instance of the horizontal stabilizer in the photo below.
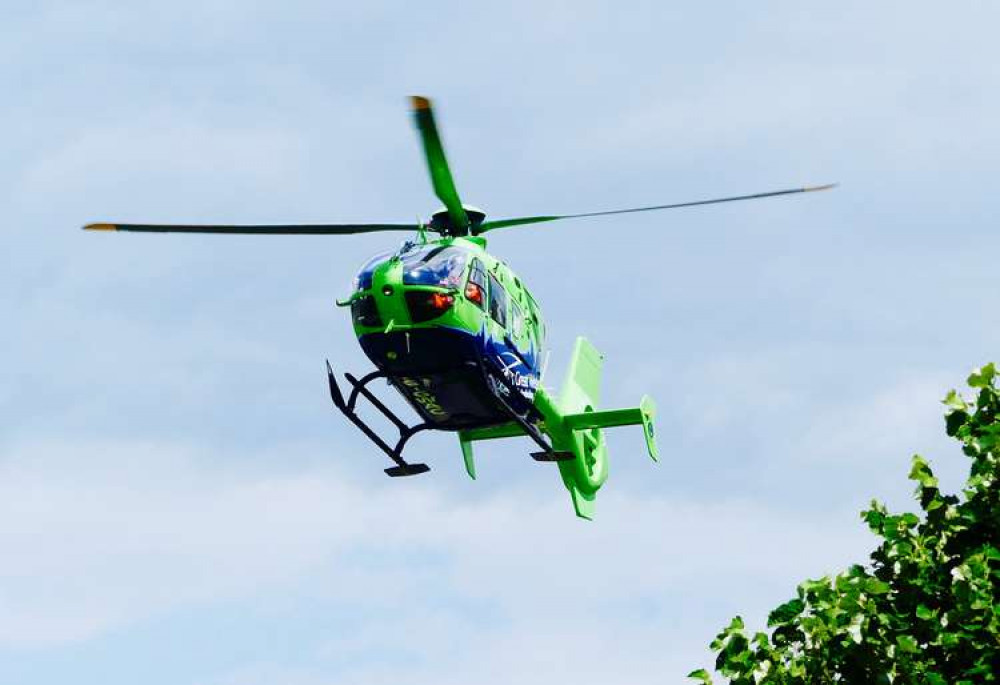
(639, 416)
(608, 418)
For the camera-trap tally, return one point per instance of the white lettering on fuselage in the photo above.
(526, 383)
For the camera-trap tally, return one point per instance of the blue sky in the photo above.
(180, 505)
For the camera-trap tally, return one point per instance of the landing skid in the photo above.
(527, 420)
(402, 467)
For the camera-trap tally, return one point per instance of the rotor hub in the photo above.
(442, 223)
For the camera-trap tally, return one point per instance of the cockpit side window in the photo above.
(475, 289)
(436, 265)
(363, 280)
(498, 302)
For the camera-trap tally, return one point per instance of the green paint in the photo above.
(465, 314)
(572, 422)
(437, 165)
(470, 464)
(574, 425)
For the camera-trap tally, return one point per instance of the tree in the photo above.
(924, 610)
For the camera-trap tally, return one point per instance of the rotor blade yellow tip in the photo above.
(100, 227)
(420, 102)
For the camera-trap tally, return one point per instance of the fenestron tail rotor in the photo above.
(437, 165)
(521, 221)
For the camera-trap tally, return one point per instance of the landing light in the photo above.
(425, 306)
(442, 301)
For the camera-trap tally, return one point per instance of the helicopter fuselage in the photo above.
(453, 329)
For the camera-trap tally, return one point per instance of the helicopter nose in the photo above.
(388, 284)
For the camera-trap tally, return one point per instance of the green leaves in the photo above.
(983, 377)
(921, 472)
(924, 609)
(906, 643)
(874, 586)
(785, 613)
(954, 401)
(701, 675)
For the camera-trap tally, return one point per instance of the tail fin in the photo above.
(582, 386)
(581, 393)
(580, 430)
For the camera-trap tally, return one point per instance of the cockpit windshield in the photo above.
(434, 265)
(363, 280)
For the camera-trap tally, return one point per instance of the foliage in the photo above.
(924, 610)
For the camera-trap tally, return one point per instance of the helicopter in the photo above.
(456, 332)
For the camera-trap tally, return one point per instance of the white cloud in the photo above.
(204, 162)
(100, 536)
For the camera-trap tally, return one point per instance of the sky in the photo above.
(179, 503)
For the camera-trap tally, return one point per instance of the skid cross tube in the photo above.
(402, 468)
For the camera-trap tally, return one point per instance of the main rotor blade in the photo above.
(437, 163)
(277, 229)
(504, 223)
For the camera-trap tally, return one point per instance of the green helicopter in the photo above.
(457, 333)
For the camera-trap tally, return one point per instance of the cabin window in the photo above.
(516, 320)
(434, 265)
(498, 302)
(537, 330)
(475, 289)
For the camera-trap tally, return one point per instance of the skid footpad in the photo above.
(553, 456)
(407, 470)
